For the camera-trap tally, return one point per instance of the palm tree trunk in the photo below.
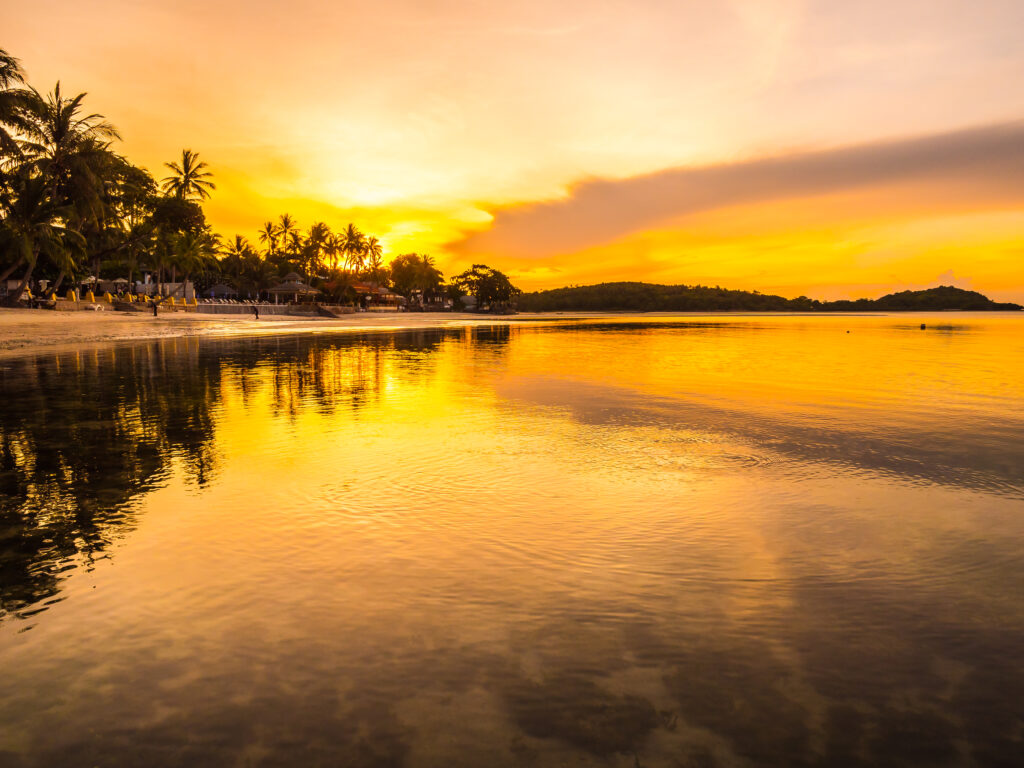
(7, 272)
(15, 297)
(56, 285)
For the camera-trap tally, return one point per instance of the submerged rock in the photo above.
(579, 712)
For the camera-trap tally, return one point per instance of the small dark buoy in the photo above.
(847, 331)
(922, 326)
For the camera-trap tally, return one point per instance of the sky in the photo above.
(830, 149)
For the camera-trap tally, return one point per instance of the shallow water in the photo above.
(720, 541)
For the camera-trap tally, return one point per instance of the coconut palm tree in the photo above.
(11, 73)
(319, 233)
(123, 230)
(317, 243)
(374, 254)
(333, 248)
(260, 275)
(193, 253)
(237, 248)
(69, 152)
(189, 180)
(373, 250)
(294, 245)
(32, 225)
(235, 256)
(286, 227)
(68, 147)
(12, 94)
(268, 236)
(353, 242)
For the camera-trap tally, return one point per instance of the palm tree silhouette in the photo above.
(12, 96)
(235, 255)
(334, 247)
(285, 229)
(193, 252)
(353, 243)
(374, 253)
(317, 244)
(190, 179)
(34, 225)
(68, 153)
(11, 73)
(268, 236)
(62, 142)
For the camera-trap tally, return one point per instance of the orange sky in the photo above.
(827, 148)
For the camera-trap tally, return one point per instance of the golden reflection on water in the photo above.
(752, 540)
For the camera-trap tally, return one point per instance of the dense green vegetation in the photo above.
(412, 275)
(647, 297)
(940, 298)
(489, 288)
(71, 207)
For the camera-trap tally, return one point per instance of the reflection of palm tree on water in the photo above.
(70, 458)
(94, 431)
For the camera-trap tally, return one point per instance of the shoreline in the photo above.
(33, 331)
(25, 332)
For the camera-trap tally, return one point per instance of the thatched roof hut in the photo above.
(220, 291)
(294, 287)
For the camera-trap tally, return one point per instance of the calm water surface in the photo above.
(770, 541)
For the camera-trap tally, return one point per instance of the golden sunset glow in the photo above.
(828, 149)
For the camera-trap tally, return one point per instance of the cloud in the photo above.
(948, 278)
(984, 161)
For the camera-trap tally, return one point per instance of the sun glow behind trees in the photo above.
(436, 123)
(69, 204)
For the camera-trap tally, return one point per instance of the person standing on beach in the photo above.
(154, 308)
(256, 311)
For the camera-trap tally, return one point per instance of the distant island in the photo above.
(648, 297)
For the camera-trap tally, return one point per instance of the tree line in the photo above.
(647, 297)
(71, 206)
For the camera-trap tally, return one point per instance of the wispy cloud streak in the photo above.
(989, 159)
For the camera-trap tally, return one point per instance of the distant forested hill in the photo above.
(648, 297)
(943, 297)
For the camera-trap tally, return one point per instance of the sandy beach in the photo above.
(26, 331)
(29, 331)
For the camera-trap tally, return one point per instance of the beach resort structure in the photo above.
(374, 297)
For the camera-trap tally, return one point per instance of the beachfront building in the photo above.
(293, 289)
(433, 301)
(150, 287)
(99, 287)
(221, 291)
(375, 298)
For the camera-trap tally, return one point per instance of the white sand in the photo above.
(25, 331)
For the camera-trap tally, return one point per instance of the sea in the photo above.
(680, 541)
